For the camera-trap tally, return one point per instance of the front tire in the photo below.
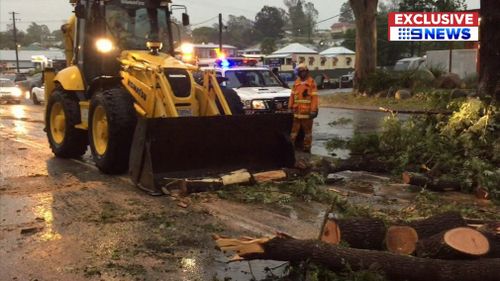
(112, 121)
(62, 114)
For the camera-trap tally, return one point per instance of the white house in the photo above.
(290, 56)
(337, 57)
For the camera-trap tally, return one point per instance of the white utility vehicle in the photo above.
(38, 95)
(9, 92)
(259, 89)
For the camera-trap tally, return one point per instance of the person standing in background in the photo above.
(304, 105)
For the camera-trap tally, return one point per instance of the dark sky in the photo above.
(54, 12)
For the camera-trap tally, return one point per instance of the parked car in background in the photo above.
(15, 77)
(33, 81)
(38, 95)
(325, 82)
(9, 92)
(346, 81)
(409, 64)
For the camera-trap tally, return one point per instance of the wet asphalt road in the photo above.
(63, 220)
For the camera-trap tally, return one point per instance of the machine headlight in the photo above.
(104, 45)
(259, 104)
(187, 48)
(16, 92)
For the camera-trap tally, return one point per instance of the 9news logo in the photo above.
(414, 26)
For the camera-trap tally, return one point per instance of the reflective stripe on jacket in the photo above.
(304, 98)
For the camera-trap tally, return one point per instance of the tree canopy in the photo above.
(270, 22)
(346, 14)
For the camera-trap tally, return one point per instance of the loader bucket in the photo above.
(188, 147)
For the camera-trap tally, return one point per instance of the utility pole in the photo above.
(15, 39)
(221, 26)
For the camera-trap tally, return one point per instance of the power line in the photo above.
(205, 21)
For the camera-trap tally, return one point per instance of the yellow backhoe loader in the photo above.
(140, 109)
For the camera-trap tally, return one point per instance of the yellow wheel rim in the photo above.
(100, 130)
(57, 123)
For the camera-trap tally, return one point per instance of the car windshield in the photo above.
(7, 83)
(133, 26)
(251, 78)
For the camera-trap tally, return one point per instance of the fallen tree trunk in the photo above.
(360, 233)
(492, 232)
(436, 224)
(395, 267)
(458, 243)
(423, 180)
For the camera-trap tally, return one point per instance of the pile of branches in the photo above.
(457, 152)
(444, 247)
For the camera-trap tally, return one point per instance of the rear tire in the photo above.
(112, 121)
(62, 114)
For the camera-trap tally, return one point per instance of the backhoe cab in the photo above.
(139, 108)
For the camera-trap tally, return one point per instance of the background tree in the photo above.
(297, 16)
(205, 34)
(268, 45)
(346, 14)
(37, 33)
(240, 32)
(365, 13)
(311, 17)
(270, 22)
(388, 53)
(489, 56)
(350, 39)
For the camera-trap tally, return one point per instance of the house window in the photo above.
(311, 61)
(335, 61)
(323, 61)
(348, 61)
(302, 59)
(288, 61)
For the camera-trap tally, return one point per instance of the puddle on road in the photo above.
(29, 212)
(360, 121)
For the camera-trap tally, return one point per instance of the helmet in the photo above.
(302, 66)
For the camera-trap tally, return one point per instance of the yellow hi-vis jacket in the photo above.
(304, 98)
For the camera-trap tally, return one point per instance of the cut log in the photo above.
(236, 177)
(416, 179)
(401, 240)
(394, 267)
(269, 176)
(434, 184)
(458, 243)
(360, 233)
(201, 185)
(437, 224)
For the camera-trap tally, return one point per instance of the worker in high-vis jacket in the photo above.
(68, 30)
(304, 104)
